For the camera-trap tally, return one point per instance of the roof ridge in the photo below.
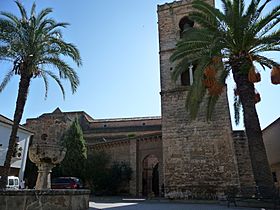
(10, 122)
(128, 118)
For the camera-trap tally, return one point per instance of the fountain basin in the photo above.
(63, 199)
(45, 156)
(46, 153)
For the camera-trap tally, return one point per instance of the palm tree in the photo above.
(232, 40)
(35, 47)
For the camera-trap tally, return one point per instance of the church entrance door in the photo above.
(150, 176)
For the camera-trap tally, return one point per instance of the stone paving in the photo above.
(161, 206)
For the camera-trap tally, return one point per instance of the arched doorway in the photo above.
(150, 176)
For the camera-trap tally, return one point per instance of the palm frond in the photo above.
(57, 25)
(271, 39)
(42, 26)
(197, 90)
(206, 9)
(33, 10)
(251, 10)
(22, 11)
(179, 69)
(42, 14)
(268, 27)
(204, 21)
(46, 82)
(237, 107)
(11, 17)
(261, 8)
(6, 80)
(265, 61)
(68, 49)
(212, 101)
(65, 71)
(263, 22)
(52, 75)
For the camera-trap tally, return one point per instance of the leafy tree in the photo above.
(35, 47)
(30, 174)
(232, 40)
(97, 175)
(120, 175)
(104, 178)
(74, 161)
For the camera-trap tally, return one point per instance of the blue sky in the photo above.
(118, 41)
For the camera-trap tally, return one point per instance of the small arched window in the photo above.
(184, 24)
(188, 75)
(185, 78)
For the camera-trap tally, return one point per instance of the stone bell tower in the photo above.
(198, 156)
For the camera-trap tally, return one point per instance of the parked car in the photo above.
(13, 182)
(66, 183)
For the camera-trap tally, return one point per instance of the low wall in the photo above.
(44, 199)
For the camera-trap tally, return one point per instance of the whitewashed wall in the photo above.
(24, 138)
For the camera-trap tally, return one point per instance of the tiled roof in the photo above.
(127, 119)
(145, 136)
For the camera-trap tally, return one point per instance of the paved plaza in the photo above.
(161, 206)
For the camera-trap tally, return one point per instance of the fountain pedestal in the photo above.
(44, 176)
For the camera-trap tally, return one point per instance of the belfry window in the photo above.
(274, 176)
(184, 24)
(187, 76)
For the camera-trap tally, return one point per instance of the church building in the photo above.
(169, 155)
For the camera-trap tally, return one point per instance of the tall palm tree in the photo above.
(35, 47)
(232, 40)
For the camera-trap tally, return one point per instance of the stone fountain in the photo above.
(45, 155)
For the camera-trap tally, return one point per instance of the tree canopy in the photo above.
(33, 44)
(74, 162)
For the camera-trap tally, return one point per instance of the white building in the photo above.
(24, 136)
(271, 138)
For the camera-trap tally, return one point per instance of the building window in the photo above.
(187, 76)
(274, 176)
(185, 24)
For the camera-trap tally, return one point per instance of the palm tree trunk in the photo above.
(260, 165)
(21, 100)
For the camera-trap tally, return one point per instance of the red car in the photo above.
(66, 183)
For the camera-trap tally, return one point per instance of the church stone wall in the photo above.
(125, 140)
(134, 151)
(245, 170)
(118, 151)
(198, 156)
(147, 147)
(52, 125)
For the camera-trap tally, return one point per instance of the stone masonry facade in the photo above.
(198, 156)
(133, 140)
(186, 159)
(130, 140)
